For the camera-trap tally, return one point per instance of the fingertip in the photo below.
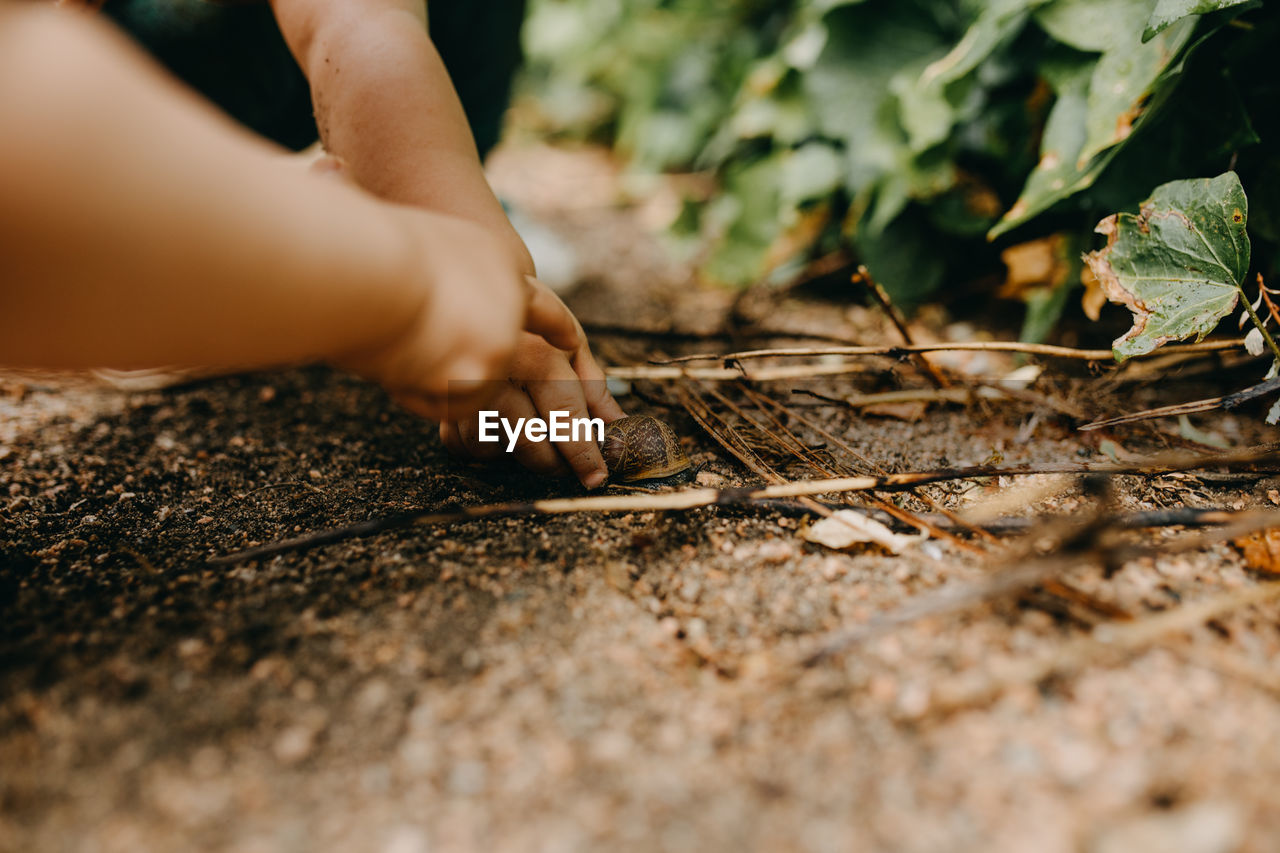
(451, 440)
(330, 166)
(586, 462)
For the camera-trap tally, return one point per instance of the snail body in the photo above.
(641, 448)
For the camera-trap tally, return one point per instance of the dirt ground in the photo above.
(622, 682)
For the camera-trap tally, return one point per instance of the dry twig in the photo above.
(694, 498)
(953, 346)
(728, 374)
(1226, 401)
(881, 296)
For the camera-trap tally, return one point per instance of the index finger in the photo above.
(547, 317)
(561, 392)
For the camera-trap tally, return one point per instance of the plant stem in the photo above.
(1257, 321)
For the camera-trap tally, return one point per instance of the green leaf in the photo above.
(811, 172)
(1120, 84)
(851, 85)
(1057, 176)
(929, 107)
(749, 215)
(1044, 309)
(1169, 12)
(823, 6)
(1094, 25)
(1178, 264)
(1095, 114)
(903, 257)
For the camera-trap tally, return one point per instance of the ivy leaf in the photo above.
(930, 107)
(851, 85)
(1168, 12)
(749, 220)
(1094, 25)
(1056, 176)
(812, 171)
(1094, 114)
(1123, 79)
(1178, 264)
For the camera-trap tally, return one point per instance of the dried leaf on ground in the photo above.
(1033, 265)
(1261, 550)
(846, 528)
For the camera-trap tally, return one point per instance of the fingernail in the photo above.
(595, 479)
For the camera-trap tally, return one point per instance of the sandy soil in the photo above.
(625, 682)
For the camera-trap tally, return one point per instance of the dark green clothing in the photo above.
(235, 56)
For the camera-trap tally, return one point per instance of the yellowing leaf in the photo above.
(1093, 299)
(1178, 264)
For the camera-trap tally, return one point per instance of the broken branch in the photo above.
(695, 498)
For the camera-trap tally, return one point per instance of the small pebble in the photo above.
(294, 744)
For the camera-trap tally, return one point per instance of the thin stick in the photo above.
(863, 276)
(915, 395)
(725, 374)
(961, 396)
(1227, 401)
(1175, 517)
(1265, 293)
(836, 440)
(619, 330)
(693, 498)
(1257, 321)
(702, 413)
(729, 438)
(916, 521)
(954, 346)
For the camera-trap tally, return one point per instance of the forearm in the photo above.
(385, 104)
(139, 228)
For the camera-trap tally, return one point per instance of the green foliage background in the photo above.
(926, 134)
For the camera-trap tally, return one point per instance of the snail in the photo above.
(639, 448)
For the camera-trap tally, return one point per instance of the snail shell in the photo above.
(639, 447)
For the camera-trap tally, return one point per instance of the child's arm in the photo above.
(138, 228)
(385, 104)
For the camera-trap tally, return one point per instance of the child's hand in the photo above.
(449, 355)
(553, 370)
